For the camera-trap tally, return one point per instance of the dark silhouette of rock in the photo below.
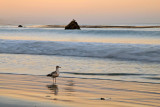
(102, 98)
(20, 26)
(72, 25)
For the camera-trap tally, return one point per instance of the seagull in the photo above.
(54, 74)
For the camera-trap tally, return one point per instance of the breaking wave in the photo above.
(130, 52)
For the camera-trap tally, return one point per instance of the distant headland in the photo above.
(74, 25)
(92, 26)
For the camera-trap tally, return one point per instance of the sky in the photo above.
(86, 12)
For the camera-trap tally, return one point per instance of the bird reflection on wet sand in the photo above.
(53, 88)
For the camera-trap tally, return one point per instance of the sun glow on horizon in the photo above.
(86, 11)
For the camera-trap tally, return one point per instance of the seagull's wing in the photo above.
(49, 75)
(54, 72)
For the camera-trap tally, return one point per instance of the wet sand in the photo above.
(38, 91)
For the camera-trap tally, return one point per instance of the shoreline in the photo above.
(82, 78)
(79, 92)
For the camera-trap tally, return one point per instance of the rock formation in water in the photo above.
(72, 25)
(20, 26)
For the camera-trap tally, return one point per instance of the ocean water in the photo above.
(98, 53)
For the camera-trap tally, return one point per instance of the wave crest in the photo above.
(135, 52)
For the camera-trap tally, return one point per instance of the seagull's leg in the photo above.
(55, 80)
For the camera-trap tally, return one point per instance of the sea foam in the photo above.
(130, 52)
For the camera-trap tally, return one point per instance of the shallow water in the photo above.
(80, 67)
(115, 54)
(110, 35)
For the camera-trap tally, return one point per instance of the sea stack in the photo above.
(20, 26)
(72, 25)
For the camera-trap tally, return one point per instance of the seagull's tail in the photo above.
(49, 75)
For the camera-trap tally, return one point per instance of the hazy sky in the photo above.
(86, 12)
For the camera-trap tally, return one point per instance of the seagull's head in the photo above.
(58, 67)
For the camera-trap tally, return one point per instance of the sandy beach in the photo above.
(75, 92)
